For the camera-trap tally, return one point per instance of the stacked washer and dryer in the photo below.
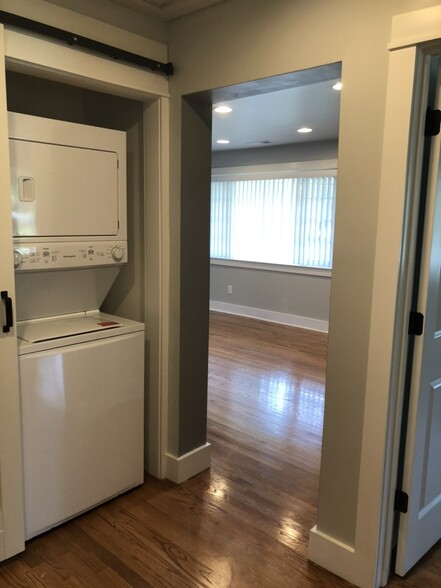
(81, 371)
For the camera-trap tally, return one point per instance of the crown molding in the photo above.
(166, 9)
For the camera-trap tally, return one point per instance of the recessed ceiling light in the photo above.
(223, 141)
(337, 86)
(304, 130)
(222, 109)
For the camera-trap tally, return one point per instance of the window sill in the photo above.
(273, 267)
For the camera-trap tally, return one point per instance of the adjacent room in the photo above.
(274, 172)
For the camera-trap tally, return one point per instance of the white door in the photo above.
(11, 484)
(420, 527)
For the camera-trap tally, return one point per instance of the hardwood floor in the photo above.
(245, 522)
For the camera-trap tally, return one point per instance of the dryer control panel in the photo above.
(46, 256)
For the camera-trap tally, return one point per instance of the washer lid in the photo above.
(46, 330)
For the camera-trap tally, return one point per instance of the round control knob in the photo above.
(18, 258)
(117, 253)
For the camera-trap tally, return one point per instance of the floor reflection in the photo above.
(268, 382)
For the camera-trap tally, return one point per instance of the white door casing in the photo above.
(415, 36)
(420, 526)
(11, 482)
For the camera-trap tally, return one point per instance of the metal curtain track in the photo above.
(27, 24)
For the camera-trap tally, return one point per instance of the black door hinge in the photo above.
(416, 323)
(433, 122)
(401, 501)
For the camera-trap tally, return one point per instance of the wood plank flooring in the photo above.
(245, 522)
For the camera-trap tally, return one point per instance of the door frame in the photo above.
(11, 475)
(416, 37)
(43, 58)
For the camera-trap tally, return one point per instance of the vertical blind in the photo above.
(287, 221)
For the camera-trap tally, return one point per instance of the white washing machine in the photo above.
(81, 371)
(82, 402)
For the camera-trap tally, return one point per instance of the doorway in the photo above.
(287, 284)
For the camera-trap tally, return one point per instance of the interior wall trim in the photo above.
(293, 320)
(333, 555)
(179, 469)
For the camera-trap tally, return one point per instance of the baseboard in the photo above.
(293, 320)
(337, 557)
(179, 469)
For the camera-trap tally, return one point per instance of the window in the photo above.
(284, 217)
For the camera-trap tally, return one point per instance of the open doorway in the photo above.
(269, 305)
(274, 165)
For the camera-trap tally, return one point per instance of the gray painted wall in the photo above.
(246, 40)
(309, 151)
(194, 282)
(295, 294)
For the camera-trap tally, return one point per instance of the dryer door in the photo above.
(63, 191)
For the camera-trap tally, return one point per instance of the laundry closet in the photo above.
(47, 81)
(75, 256)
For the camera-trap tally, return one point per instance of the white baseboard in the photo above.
(293, 320)
(337, 557)
(179, 469)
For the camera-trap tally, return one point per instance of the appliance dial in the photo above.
(117, 253)
(18, 258)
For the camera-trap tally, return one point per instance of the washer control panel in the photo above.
(46, 256)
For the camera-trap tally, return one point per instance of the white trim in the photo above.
(302, 322)
(412, 28)
(156, 278)
(273, 267)
(179, 469)
(52, 60)
(392, 290)
(11, 469)
(393, 266)
(333, 555)
(327, 167)
(168, 10)
(164, 283)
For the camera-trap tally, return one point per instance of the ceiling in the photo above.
(166, 9)
(273, 118)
